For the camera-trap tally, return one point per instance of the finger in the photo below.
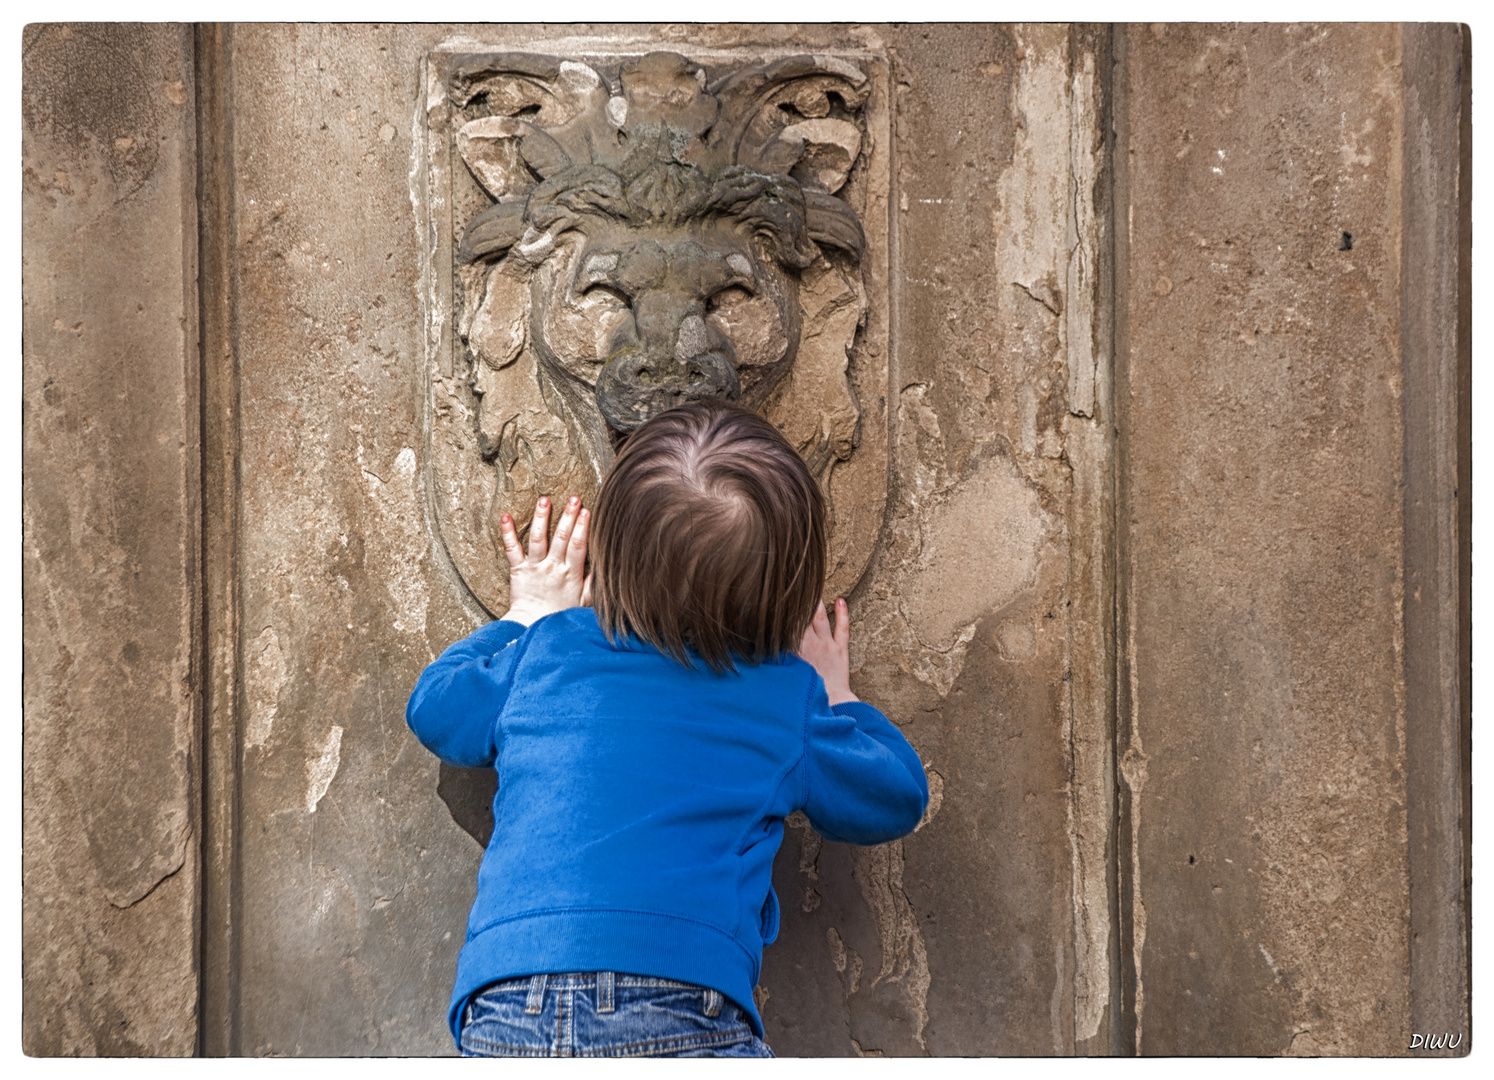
(586, 590)
(539, 529)
(842, 623)
(563, 530)
(821, 621)
(511, 546)
(575, 554)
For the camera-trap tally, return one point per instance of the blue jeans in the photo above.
(605, 1014)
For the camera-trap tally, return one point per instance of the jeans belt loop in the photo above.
(713, 1003)
(606, 1001)
(536, 999)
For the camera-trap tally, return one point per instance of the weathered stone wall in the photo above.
(1143, 618)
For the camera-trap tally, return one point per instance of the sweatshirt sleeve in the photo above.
(455, 704)
(864, 783)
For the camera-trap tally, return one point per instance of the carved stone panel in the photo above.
(610, 234)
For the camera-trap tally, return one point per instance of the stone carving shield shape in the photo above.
(608, 235)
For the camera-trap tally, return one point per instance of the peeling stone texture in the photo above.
(962, 934)
(109, 539)
(1266, 758)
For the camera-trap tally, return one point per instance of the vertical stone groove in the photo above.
(219, 441)
(1464, 501)
(1089, 444)
(1126, 1011)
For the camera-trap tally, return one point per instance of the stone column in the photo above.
(110, 540)
(1287, 527)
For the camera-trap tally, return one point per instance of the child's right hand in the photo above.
(829, 651)
(544, 582)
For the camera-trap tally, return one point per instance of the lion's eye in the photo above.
(728, 297)
(601, 291)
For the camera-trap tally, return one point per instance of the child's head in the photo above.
(709, 532)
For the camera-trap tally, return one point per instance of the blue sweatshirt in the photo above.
(640, 803)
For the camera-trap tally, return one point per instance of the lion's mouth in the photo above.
(636, 386)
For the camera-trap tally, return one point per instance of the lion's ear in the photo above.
(760, 106)
(543, 115)
(504, 154)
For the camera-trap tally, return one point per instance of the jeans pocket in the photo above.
(497, 1024)
(649, 1021)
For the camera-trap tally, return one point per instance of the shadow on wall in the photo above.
(468, 795)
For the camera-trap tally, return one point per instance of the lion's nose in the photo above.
(640, 383)
(691, 340)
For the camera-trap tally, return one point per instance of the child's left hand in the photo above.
(544, 582)
(828, 649)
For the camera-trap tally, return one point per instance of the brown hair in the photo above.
(709, 533)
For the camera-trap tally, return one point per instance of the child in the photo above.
(649, 747)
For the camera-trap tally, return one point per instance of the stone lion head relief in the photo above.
(626, 235)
